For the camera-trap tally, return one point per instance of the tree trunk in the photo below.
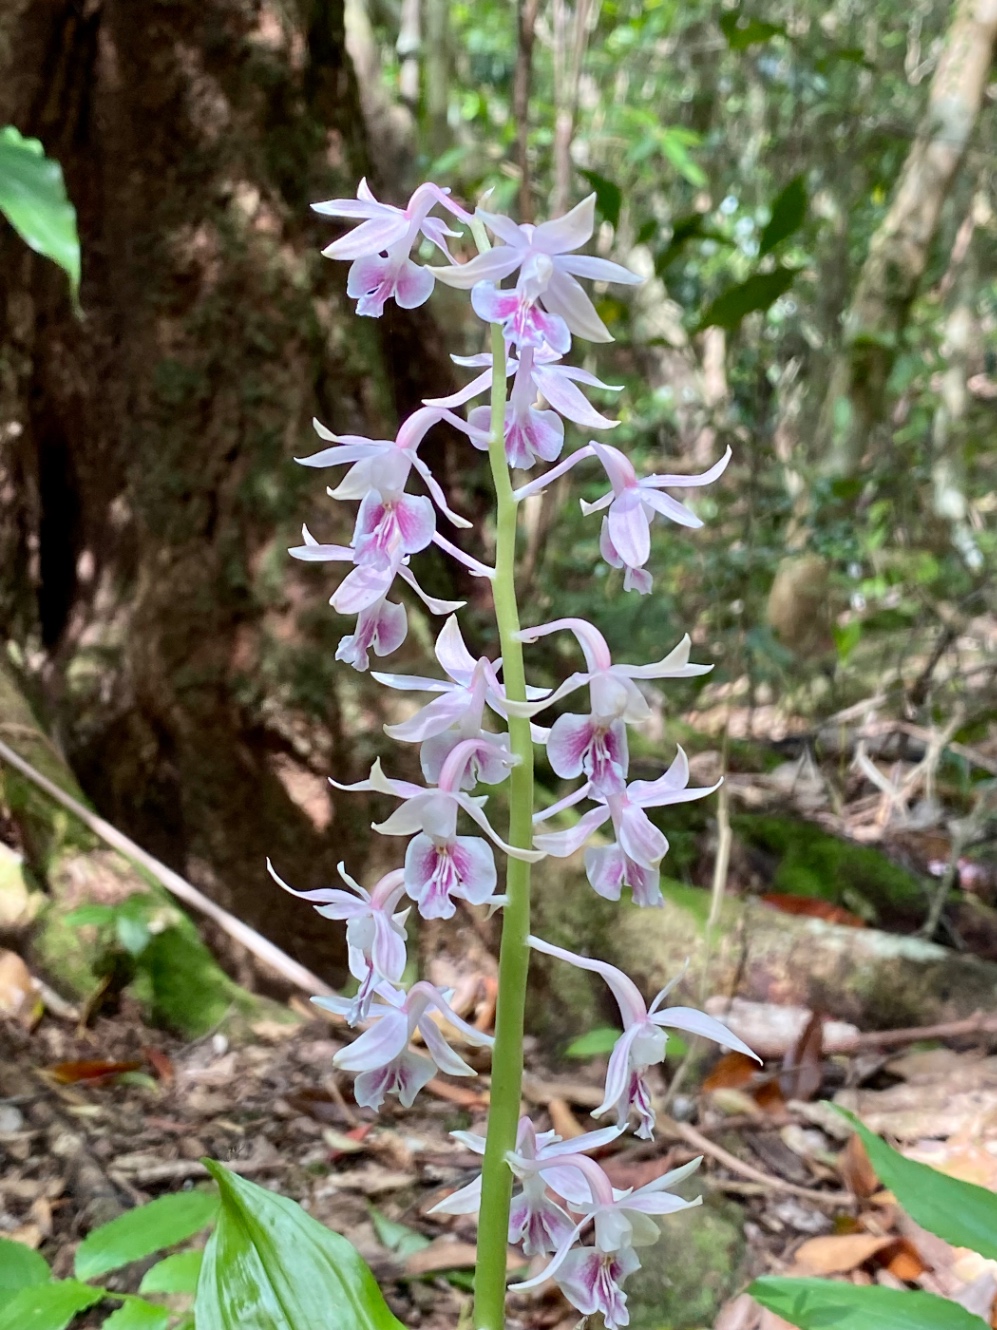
(899, 253)
(146, 450)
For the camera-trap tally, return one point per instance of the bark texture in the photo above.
(900, 250)
(146, 450)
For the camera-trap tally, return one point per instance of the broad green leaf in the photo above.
(759, 292)
(397, 1237)
(270, 1266)
(47, 1306)
(960, 1212)
(789, 208)
(144, 1230)
(820, 1304)
(33, 199)
(742, 31)
(608, 197)
(173, 1274)
(596, 1042)
(137, 1314)
(20, 1267)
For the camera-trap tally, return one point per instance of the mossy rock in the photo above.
(813, 863)
(687, 1277)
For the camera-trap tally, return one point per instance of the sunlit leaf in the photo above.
(143, 1231)
(173, 1274)
(819, 1304)
(20, 1267)
(962, 1213)
(789, 208)
(270, 1266)
(47, 1306)
(759, 292)
(33, 199)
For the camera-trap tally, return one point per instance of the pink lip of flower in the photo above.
(381, 1054)
(384, 464)
(642, 1043)
(381, 628)
(550, 269)
(535, 1221)
(380, 246)
(636, 836)
(375, 929)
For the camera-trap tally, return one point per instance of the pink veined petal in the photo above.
(626, 992)
(377, 1046)
(413, 285)
(566, 298)
(359, 208)
(475, 865)
(605, 870)
(598, 270)
(618, 1076)
(479, 423)
(361, 588)
(629, 529)
(312, 552)
(432, 603)
(428, 811)
(368, 238)
(440, 1051)
(645, 883)
(679, 481)
(617, 466)
(666, 506)
(416, 522)
(432, 719)
(697, 1022)
(437, 233)
(570, 737)
(544, 433)
(406, 1076)
(552, 328)
(388, 954)
(390, 629)
(561, 844)
(552, 1267)
(491, 266)
(639, 838)
(508, 231)
(637, 579)
(466, 1201)
(412, 683)
(589, 1140)
(538, 1226)
(492, 304)
(608, 759)
(428, 877)
(568, 232)
(565, 398)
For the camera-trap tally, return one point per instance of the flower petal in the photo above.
(565, 297)
(376, 1047)
(629, 529)
(697, 1022)
(568, 232)
(491, 266)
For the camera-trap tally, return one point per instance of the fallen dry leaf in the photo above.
(856, 1171)
(96, 1069)
(446, 1254)
(813, 908)
(458, 1094)
(563, 1120)
(905, 1263)
(838, 1254)
(733, 1071)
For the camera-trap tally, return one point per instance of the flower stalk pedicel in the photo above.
(548, 1196)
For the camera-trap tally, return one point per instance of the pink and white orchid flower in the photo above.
(548, 269)
(591, 1278)
(375, 929)
(458, 713)
(643, 1041)
(381, 244)
(536, 1222)
(596, 745)
(633, 859)
(382, 1056)
(441, 866)
(381, 628)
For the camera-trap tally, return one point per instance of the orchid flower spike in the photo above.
(375, 929)
(536, 1222)
(440, 866)
(382, 1055)
(543, 256)
(380, 245)
(592, 1278)
(625, 541)
(632, 859)
(458, 713)
(642, 1043)
(596, 745)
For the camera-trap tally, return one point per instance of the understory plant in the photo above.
(483, 724)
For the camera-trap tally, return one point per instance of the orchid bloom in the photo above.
(536, 1222)
(596, 745)
(381, 628)
(382, 1055)
(591, 1278)
(633, 858)
(381, 244)
(547, 266)
(458, 712)
(642, 1044)
(625, 541)
(441, 866)
(375, 929)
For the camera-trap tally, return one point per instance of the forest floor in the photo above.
(94, 1121)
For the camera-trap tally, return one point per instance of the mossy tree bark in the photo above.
(146, 450)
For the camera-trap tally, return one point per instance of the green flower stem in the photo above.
(514, 958)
